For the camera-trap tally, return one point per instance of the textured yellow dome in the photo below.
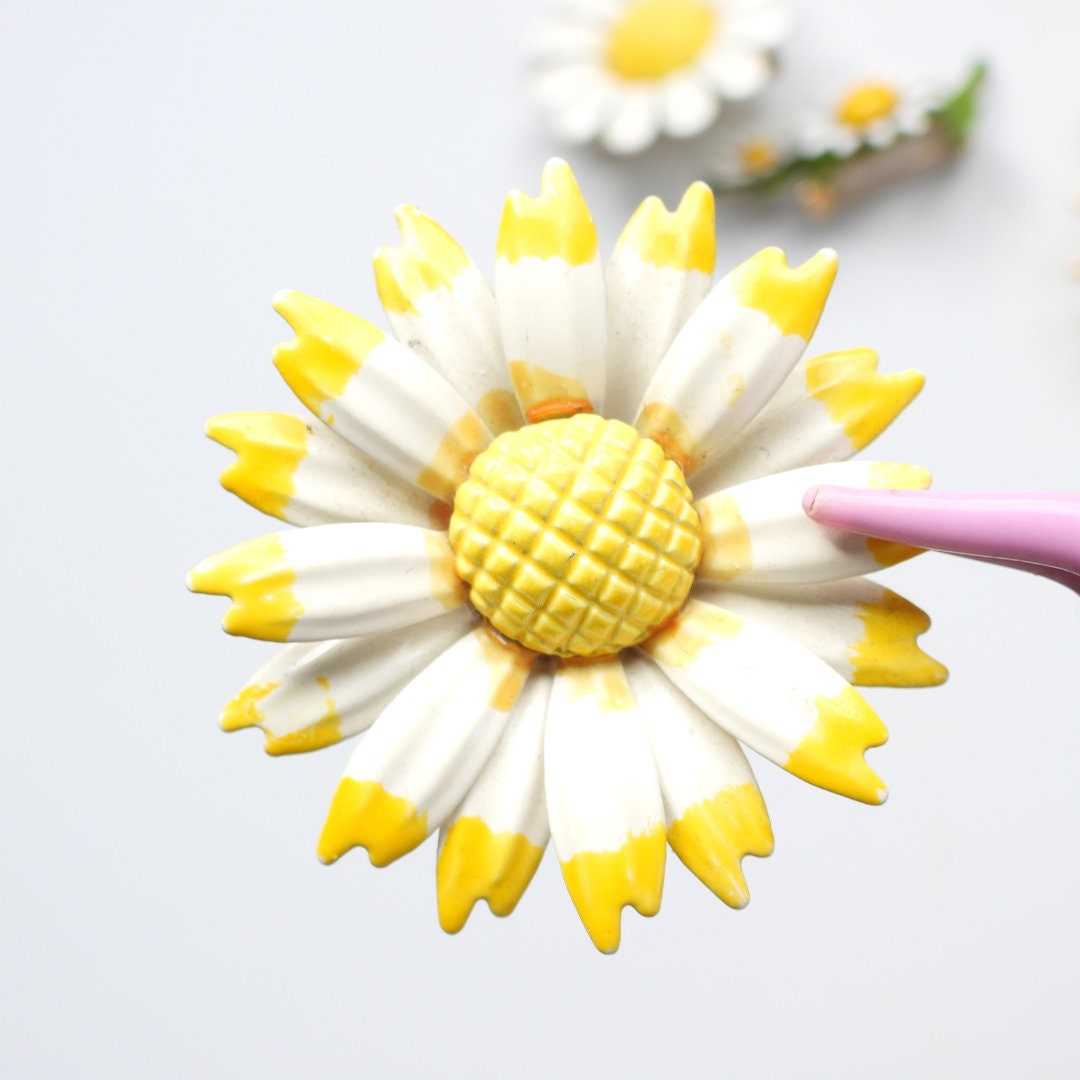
(577, 537)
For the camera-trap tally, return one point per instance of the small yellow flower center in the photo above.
(865, 103)
(576, 537)
(758, 156)
(657, 37)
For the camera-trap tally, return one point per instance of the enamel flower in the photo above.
(553, 558)
(625, 71)
(872, 113)
(748, 153)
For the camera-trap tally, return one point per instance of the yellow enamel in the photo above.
(603, 682)
(729, 551)
(792, 297)
(446, 586)
(268, 447)
(323, 732)
(500, 411)
(364, 814)
(681, 640)
(888, 654)
(859, 399)
(478, 864)
(713, 836)
(258, 578)
(683, 239)
(602, 883)
(243, 710)
(663, 424)
(830, 755)
(429, 258)
(867, 102)
(576, 537)
(329, 349)
(555, 225)
(465, 438)
(546, 395)
(508, 665)
(758, 157)
(653, 38)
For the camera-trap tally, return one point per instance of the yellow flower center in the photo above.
(758, 156)
(865, 103)
(577, 537)
(657, 37)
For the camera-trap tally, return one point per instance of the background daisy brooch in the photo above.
(625, 71)
(554, 561)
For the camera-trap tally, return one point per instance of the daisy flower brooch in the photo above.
(878, 131)
(553, 560)
(626, 71)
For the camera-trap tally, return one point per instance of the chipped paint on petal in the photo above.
(243, 710)
(830, 755)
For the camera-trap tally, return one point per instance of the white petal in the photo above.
(866, 633)
(426, 750)
(333, 581)
(635, 123)
(715, 813)
(733, 353)
(757, 532)
(491, 846)
(300, 471)
(379, 395)
(827, 409)
(736, 75)
(765, 25)
(440, 306)
(315, 694)
(658, 274)
(603, 798)
(774, 696)
(689, 106)
(550, 289)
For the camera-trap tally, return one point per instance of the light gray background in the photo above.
(167, 167)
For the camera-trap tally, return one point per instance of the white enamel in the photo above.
(509, 796)
(432, 741)
(635, 121)
(792, 430)
(722, 368)
(688, 106)
(600, 779)
(357, 579)
(787, 546)
(758, 685)
(695, 759)
(399, 410)
(553, 316)
(354, 678)
(647, 306)
(455, 329)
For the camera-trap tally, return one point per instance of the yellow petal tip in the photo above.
(793, 298)
(243, 710)
(476, 863)
(364, 814)
(888, 653)
(684, 239)
(555, 225)
(602, 883)
(830, 755)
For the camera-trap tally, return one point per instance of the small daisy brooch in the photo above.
(552, 559)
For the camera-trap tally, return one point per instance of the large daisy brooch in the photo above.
(553, 559)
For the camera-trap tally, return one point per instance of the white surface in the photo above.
(168, 167)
